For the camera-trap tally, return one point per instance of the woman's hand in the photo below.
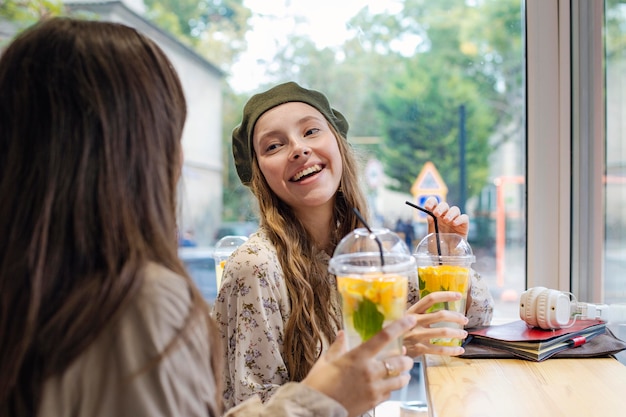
(417, 340)
(356, 378)
(449, 219)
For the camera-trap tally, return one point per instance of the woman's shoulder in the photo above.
(160, 281)
(253, 269)
(259, 241)
(160, 309)
(257, 251)
(128, 348)
(163, 295)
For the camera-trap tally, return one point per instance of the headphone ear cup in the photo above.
(542, 309)
(528, 305)
(523, 305)
(557, 312)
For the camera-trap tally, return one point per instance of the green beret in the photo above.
(262, 102)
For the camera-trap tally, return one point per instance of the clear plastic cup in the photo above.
(372, 294)
(443, 264)
(223, 249)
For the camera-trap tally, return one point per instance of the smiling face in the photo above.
(299, 156)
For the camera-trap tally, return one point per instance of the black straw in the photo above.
(380, 245)
(436, 226)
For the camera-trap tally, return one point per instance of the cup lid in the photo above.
(227, 244)
(448, 248)
(359, 252)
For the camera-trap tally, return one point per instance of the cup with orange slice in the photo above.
(444, 264)
(372, 269)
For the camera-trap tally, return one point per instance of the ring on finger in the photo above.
(391, 370)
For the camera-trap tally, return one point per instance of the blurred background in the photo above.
(436, 93)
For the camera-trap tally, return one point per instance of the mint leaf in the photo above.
(422, 283)
(367, 320)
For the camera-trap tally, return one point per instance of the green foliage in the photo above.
(455, 62)
(24, 13)
(403, 77)
(238, 202)
(214, 28)
(29, 11)
(347, 83)
(420, 113)
(615, 27)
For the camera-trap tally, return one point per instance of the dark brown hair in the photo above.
(91, 116)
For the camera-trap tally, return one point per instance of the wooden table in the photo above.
(517, 388)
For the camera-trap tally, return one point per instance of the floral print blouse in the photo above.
(252, 309)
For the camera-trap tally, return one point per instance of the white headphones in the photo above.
(552, 309)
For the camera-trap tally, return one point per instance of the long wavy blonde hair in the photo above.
(311, 320)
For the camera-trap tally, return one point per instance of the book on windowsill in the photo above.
(533, 343)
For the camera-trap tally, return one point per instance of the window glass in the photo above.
(434, 92)
(615, 156)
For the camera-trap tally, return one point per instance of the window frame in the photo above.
(565, 165)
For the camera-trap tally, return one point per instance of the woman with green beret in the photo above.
(278, 307)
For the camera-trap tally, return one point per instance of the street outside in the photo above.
(505, 294)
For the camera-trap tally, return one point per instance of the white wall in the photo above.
(201, 185)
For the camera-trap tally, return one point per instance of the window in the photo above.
(613, 287)
(510, 109)
(614, 189)
(435, 96)
(575, 159)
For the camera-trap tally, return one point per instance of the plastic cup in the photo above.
(373, 294)
(444, 267)
(223, 249)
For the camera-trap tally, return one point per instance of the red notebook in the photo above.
(533, 343)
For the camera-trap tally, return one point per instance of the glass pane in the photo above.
(615, 160)
(434, 92)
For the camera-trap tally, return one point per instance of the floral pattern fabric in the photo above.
(252, 309)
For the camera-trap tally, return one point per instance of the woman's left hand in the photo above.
(449, 219)
(417, 340)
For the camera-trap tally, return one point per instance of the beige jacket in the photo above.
(101, 381)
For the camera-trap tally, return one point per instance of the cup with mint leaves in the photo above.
(372, 267)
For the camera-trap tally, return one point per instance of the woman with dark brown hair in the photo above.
(98, 316)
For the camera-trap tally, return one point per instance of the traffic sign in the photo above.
(428, 184)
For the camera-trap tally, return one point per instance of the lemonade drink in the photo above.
(219, 271)
(445, 278)
(372, 269)
(443, 264)
(370, 302)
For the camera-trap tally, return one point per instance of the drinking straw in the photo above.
(436, 226)
(372, 235)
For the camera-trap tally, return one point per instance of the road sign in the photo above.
(428, 184)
